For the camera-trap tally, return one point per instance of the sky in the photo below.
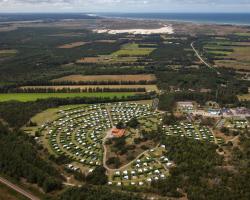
(125, 6)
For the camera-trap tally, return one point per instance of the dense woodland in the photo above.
(20, 158)
(89, 192)
(199, 172)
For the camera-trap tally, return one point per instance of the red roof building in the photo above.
(118, 132)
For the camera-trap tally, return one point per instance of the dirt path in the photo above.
(18, 189)
(124, 166)
(202, 60)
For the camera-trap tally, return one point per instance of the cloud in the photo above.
(125, 5)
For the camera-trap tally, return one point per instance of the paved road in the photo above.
(18, 189)
(202, 60)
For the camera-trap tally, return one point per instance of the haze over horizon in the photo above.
(206, 6)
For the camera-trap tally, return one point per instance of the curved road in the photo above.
(18, 189)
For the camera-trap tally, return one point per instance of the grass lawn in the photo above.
(34, 96)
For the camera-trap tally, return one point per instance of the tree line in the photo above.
(114, 82)
(75, 90)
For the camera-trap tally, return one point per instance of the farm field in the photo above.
(72, 45)
(229, 54)
(106, 59)
(128, 53)
(133, 49)
(87, 87)
(102, 78)
(7, 52)
(24, 97)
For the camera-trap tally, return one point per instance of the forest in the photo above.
(20, 158)
(200, 173)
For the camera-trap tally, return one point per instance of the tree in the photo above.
(133, 123)
(120, 125)
(169, 119)
(98, 176)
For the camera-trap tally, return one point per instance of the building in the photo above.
(118, 132)
(185, 106)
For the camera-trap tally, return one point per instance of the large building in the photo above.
(185, 106)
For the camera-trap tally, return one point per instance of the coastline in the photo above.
(194, 21)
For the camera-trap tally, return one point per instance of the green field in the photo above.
(220, 52)
(243, 34)
(133, 49)
(8, 52)
(34, 96)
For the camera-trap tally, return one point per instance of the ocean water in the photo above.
(207, 18)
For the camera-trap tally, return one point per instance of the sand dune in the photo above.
(165, 29)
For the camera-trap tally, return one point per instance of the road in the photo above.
(124, 166)
(220, 123)
(202, 60)
(18, 189)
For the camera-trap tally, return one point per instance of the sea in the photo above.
(202, 18)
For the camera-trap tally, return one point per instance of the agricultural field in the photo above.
(24, 97)
(107, 78)
(72, 45)
(106, 59)
(7, 53)
(134, 50)
(229, 53)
